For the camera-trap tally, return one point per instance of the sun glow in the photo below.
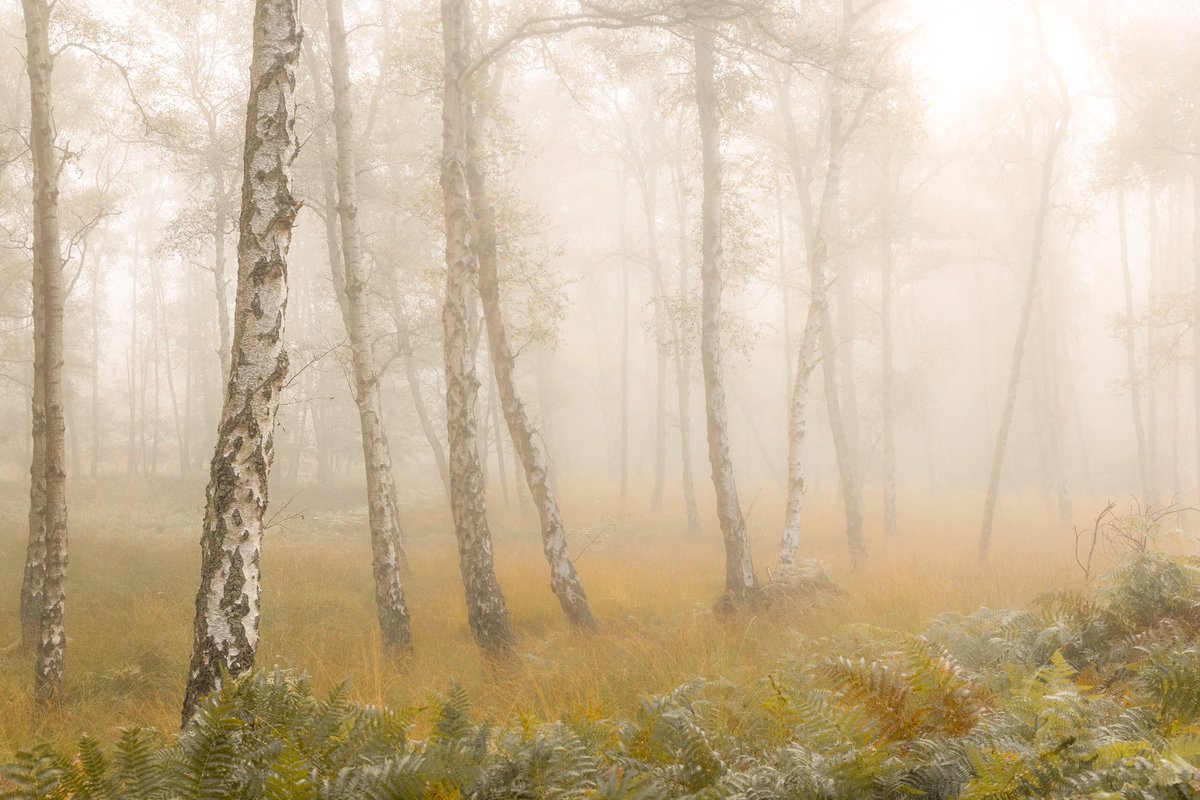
(960, 52)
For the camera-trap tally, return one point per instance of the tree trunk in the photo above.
(1135, 381)
(810, 353)
(741, 585)
(624, 256)
(94, 374)
(564, 581)
(1196, 311)
(227, 602)
(648, 183)
(220, 281)
(681, 353)
(487, 612)
(48, 362)
(887, 349)
(1151, 355)
(387, 543)
(818, 231)
(1031, 288)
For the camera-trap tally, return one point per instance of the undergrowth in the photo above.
(1091, 695)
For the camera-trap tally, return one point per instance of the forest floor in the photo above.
(133, 572)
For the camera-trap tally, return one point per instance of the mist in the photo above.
(558, 355)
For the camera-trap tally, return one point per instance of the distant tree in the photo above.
(227, 604)
(1060, 121)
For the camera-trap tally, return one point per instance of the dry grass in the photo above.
(132, 583)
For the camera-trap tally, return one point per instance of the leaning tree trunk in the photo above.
(564, 581)
(487, 612)
(810, 353)
(387, 548)
(50, 295)
(1031, 289)
(227, 603)
(741, 585)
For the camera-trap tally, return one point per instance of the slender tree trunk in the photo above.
(887, 349)
(387, 543)
(220, 281)
(94, 374)
(487, 612)
(501, 468)
(1037, 246)
(819, 223)
(227, 602)
(624, 256)
(132, 457)
(681, 353)
(412, 375)
(48, 361)
(741, 585)
(649, 187)
(1151, 355)
(564, 581)
(810, 353)
(1196, 310)
(1135, 381)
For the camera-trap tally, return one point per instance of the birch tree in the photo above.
(487, 611)
(44, 585)
(1054, 141)
(226, 626)
(741, 584)
(387, 547)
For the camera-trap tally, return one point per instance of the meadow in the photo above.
(134, 560)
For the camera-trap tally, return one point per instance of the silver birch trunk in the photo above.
(741, 584)
(49, 288)
(225, 635)
(810, 353)
(564, 580)
(1037, 246)
(387, 543)
(487, 612)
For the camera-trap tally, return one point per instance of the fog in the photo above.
(973, 227)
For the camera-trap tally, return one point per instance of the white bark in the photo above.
(227, 603)
(387, 547)
(741, 585)
(487, 612)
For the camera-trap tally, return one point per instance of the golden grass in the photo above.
(134, 566)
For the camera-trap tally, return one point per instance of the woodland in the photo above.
(599, 399)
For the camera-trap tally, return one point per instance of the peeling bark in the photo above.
(741, 585)
(46, 559)
(387, 541)
(564, 581)
(487, 612)
(227, 603)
